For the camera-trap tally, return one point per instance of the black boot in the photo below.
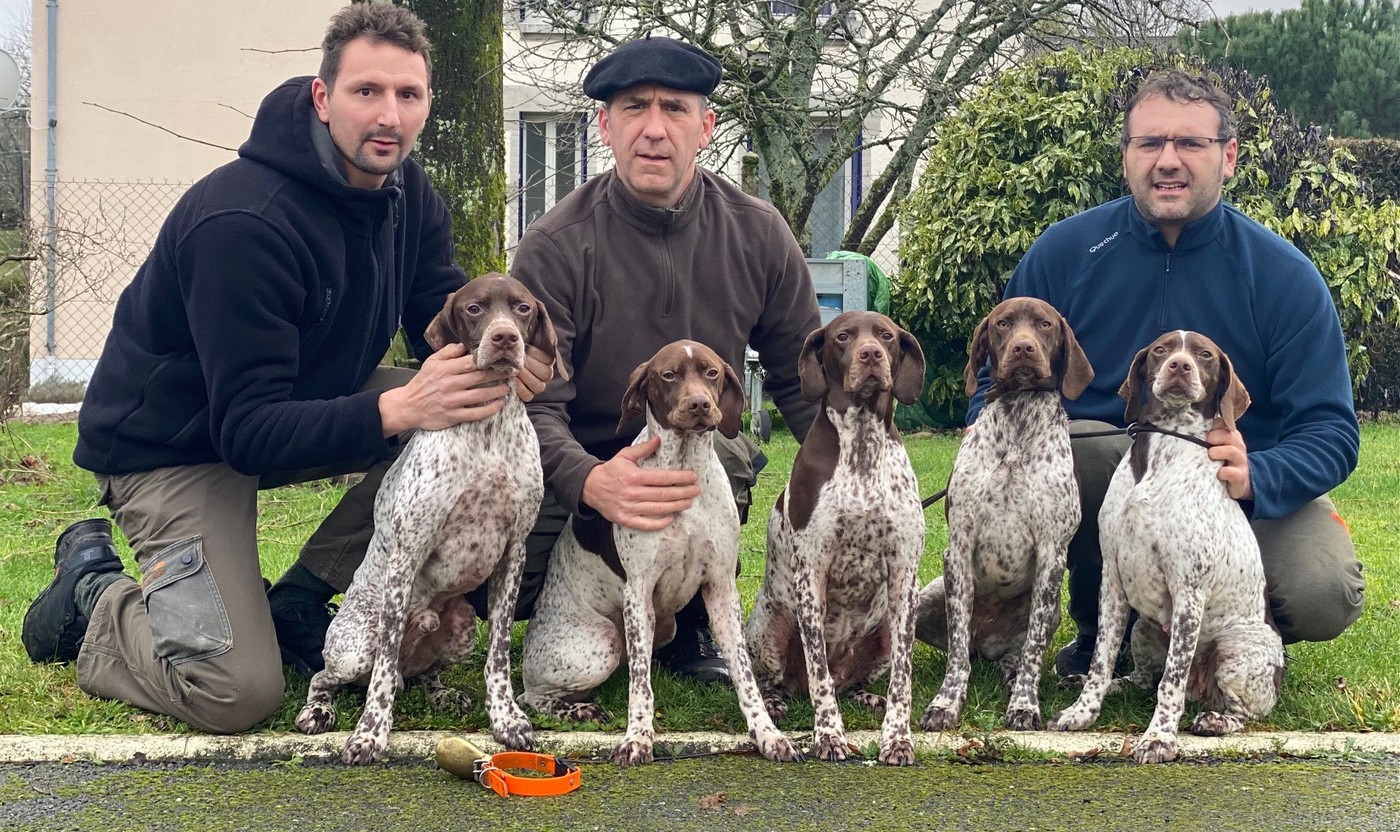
(1074, 658)
(301, 614)
(692, 653)
(54, 626)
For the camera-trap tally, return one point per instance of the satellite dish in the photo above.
(9, 80)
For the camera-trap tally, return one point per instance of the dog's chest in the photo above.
(1177, 530)
(1013, 488)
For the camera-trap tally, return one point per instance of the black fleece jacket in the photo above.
(270, 295)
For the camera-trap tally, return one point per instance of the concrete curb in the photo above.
(581, 744)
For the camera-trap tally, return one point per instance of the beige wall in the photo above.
(197, 69)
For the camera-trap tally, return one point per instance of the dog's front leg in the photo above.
(509, 725)
(1158, 744)
(896, 740)
(370, 739)
(1023, 710)
(1113, 619)
(639, 630)
(829, 734)
(942, 713)
(722, 604)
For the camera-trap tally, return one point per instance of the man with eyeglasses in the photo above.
(1174, 255)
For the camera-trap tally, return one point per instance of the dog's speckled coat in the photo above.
(1012, 507)
(453, 511)
(1180, 551)
(613, 593)
(837, 605)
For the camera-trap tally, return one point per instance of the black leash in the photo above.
(1131, 431)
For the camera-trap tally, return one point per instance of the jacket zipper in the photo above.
(1166, 291)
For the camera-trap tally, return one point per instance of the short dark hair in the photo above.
(1184, 88)
(381, 23)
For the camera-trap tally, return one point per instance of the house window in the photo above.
(550, 15)
(553, 160)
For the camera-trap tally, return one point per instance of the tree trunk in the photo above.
(462, 146)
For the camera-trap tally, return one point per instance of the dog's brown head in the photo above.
(689, 389)
(1031, 347)
(863, 359)
(495, 317)
(1183, 370)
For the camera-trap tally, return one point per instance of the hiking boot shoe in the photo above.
(1073, 660)
(692, 655)
(54, 627)
(301, 625)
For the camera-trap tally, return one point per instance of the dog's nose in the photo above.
(1026, 348)
(1181, 366)
(699, 404)
(870, 353)
(505, 338)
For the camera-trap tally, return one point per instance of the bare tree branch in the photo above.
(158, 127)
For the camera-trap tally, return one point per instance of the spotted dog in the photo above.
(613, 592)
(453, 512)
(836, 609)
(1012, 507)
(1178, 550)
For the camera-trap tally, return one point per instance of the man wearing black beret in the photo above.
(655, 250)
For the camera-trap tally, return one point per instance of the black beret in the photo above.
(662, 61)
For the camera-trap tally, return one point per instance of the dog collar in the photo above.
(1147, 427)
(561, 776)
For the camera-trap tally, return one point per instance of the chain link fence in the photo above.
(69, 251)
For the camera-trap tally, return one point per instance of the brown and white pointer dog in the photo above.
(1012, 507)
(836, 608)
(453, 511)
(613, 592)
(1180, 551)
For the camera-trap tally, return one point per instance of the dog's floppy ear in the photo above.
(977, 356)
(809, 366)
(544, 339)
(1132, 387)
(1231, 397)
(634, 401)
(731, 403)
(1076, 372)
(909, 376)
(443, 329)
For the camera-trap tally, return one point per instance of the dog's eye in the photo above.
(887, 335)
(1045, 324)
(473, 309)
(523, 309)
(1160, 349)
(843, 337)
(1205, 354)
(712, 372)
(1003, 324)
(668, 375)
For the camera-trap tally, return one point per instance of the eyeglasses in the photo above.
(1185, 145)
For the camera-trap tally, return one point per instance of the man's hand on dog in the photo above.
(645, 499)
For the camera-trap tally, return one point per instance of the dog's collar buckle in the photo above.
(560, 775)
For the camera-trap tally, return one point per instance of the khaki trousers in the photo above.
(194, 639)
(1313, 578)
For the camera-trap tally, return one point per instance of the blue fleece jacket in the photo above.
(1120, 286)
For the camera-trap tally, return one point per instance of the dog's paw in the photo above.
(1072, 718)
(515, 732)
(363, 749)
(449, 700)
(897, 752)
(831, 747)
(938, 717)
(1155, 748)
(581, 712)
(316, 719)
(632, 751)
(1216, 724)
(1074, 681)
(1024, 719)
(870, 701)
(778, 748)
(776, 705)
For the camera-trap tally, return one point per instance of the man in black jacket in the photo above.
(243, 355)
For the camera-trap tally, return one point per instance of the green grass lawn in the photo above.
(1352, 683)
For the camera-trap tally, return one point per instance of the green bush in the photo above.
(1040, 144)
(1377, 165)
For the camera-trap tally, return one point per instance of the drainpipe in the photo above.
(50, 195)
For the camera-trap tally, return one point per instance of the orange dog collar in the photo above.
(562, 775)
